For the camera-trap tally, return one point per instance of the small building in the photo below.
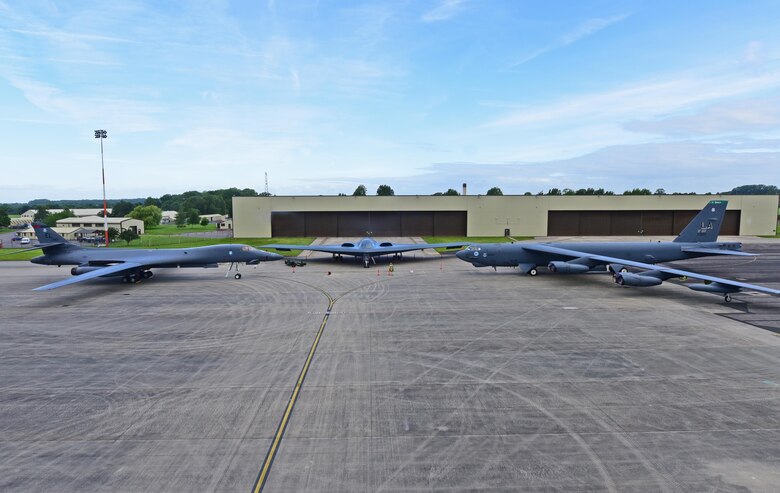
(168, 217)
(214, 218)
(226, 224)
(74, 233)
(20, 221)
(95, 223)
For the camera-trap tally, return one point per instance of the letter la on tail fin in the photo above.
(706, 225)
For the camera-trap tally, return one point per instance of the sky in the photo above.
(421, 95)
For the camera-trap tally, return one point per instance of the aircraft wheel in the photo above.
(132, 279)
(125, 280)
(148, 274)
(237, 276)
(533, 272)
(623, 270)
(727, 298)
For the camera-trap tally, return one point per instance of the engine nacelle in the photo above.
(83, 269)
(567, 267)
(348, 245)
(714, 287)
(629, 279)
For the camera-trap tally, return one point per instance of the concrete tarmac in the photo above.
(441, 377)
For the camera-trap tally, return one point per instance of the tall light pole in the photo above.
(102, 134)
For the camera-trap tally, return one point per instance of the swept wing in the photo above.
(111, 269)
(376, 250)
(574, 254)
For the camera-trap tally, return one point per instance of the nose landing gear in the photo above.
(237, 275)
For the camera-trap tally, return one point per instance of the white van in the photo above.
(25, 241)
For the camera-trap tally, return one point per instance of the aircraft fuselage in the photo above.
(176, 257)
(513, 254)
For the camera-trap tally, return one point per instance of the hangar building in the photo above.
(480, 215)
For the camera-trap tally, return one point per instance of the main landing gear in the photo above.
(529, 269)
(137, 276)
(727, 298)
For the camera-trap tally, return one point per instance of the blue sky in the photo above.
(420, 95)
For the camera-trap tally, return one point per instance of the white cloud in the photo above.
(66, 37)
(446, 10)
(680, 166)
(646, 99)
(126, 115)
(730, 117)
(754, 52)
(587, 28)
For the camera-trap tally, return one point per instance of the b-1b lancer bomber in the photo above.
(698, 239)
(133, 264)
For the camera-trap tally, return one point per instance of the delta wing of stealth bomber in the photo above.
(133, 264)
(368, 248)
(698, 239)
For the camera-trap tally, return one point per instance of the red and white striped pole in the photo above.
(102, 134)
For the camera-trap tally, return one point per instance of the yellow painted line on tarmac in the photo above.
(269, 456)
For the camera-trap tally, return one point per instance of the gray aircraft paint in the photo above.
(367, 248)
(698, 239)
(133, 264)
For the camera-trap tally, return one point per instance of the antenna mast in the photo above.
(266, 182)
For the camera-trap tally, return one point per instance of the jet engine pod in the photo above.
(714, 287)
(83, 269)
(567, 267)
(629, 279)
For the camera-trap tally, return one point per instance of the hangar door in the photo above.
(361, 223)
(629, 223)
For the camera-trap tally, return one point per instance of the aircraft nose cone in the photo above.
(463, 255)
(273, 256)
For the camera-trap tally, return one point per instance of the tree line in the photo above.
(190, 205)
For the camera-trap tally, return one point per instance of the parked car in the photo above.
(25, 241)
(16, 238)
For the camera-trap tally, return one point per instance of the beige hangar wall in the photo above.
(490, 215)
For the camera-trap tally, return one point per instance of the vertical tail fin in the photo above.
(706, 225)
(49, 239)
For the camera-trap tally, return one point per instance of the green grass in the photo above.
(5, 254)
(172, 229)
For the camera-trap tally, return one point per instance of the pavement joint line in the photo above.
(271, 454)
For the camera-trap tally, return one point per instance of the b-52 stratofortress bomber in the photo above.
(132, 264)
(698, 239)
(367, 248)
